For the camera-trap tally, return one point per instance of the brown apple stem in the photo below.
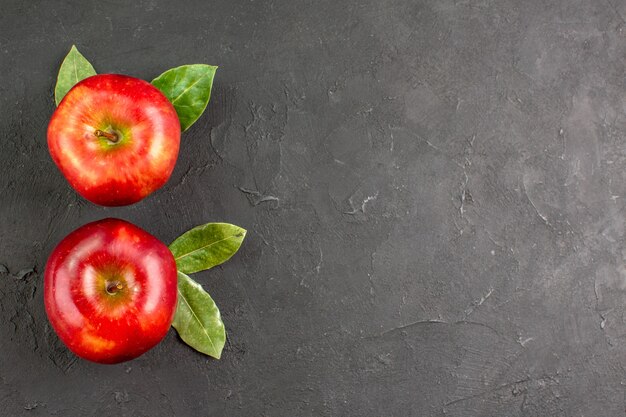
(114, 287)
(110, 136)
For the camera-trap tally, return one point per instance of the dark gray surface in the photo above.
(447, 233)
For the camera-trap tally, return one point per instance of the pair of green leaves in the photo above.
(197, 319)
(187, 87)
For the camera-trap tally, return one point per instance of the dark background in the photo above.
(434, 193)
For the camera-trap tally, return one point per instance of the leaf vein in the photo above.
(187, 89)
(205, 246)
(198, 320)
(75, 70)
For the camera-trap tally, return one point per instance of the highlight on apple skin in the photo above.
(110, 291)
(115, 138)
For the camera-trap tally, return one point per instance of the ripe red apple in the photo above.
(115, 138)
(110, 291)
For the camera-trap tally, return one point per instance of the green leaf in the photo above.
(189, 89)
(74, 68)
(206, 246)
(197, 319)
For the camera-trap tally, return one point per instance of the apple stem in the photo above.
(113, 137)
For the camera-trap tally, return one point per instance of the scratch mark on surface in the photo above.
(562, 136)
(412, 324)
(523, 342)
(465, 195)
(212, 144)
(595, 291)
(516, 388)
(477, 303)
(438, 149)
(321, 260)
(363, 204)
(434, 322)
(542, 216)
(493, 240)
(470, 141)
(255, 198)
(367, 200)
(511, 389)
(432, 146)
(602, 314)
(31, 406)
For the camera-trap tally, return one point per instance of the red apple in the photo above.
(110, 291)
(115, 138)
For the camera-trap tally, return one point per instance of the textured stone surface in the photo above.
(434, 193)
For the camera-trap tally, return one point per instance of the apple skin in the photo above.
(140, 153)
(110, 291)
